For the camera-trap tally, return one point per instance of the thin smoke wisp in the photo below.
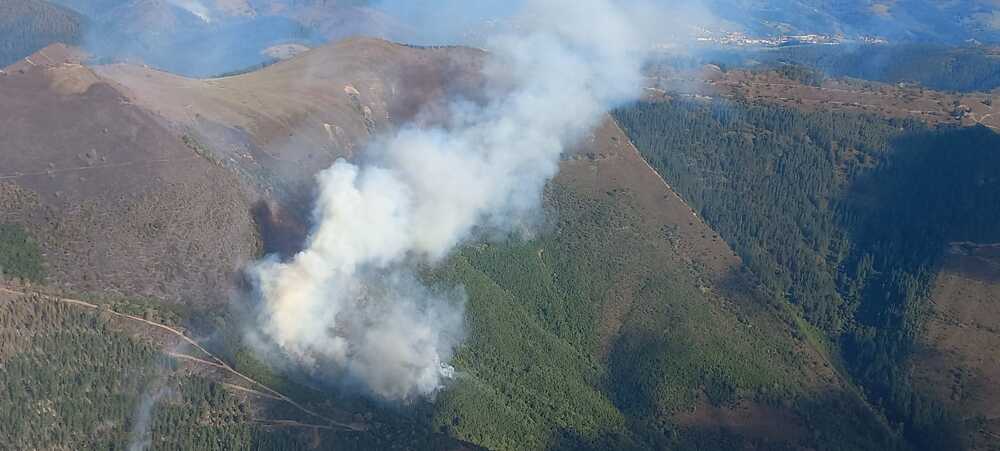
(140, 437)
(349, 306)
(195, 7)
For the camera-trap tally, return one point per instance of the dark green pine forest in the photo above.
(843, 215)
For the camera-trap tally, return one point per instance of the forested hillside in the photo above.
(73, 379)
(625, 322)
(87, 376)
(29, 25)
(843, 215)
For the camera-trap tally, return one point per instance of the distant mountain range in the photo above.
(210, 37)
(955, 21)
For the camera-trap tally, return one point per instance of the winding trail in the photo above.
(983, 118)
(215, 362)
(249, 390)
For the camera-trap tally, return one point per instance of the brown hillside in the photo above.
(130, 177)
(295, 117)
(842, 94)
(118, 202)
(960, 363)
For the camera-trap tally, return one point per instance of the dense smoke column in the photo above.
(349, 306)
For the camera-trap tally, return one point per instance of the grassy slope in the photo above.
(115, 200)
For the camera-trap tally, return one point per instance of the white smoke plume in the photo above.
(348, 305)
(195, 7)
(140, 437)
